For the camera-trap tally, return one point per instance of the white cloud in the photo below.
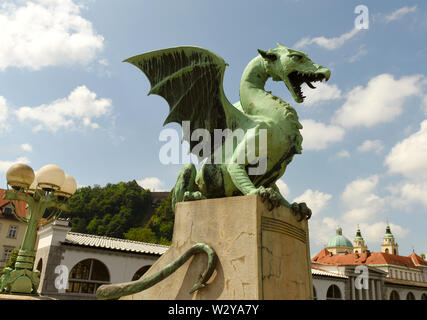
(360, 53)
(153, 183)
(371, 145)
(317, 135)
(26, 147)
(362, 202)
(399, 13)
(409, 157)
(315, 200)
(415, 192)
(380, 101)
(323, 92)
(5, 165)
(77, 110)
(284, 189)
(343, 154)
(43, 33)
(327, 43)
(3, 114)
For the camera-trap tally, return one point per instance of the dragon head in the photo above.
(294, 68)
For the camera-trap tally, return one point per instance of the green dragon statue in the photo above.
(191, 80)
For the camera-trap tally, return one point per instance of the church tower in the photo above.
(359, 242)
(389, 245)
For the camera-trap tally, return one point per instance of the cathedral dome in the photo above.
(339, 240)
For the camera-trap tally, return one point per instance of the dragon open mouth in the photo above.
(297, 78)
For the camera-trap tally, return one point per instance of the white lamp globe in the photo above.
(69, 186)
(33, 187)
(20, 176)
(50, 177)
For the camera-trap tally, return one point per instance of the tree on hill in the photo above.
(109, 211)
(159, 228)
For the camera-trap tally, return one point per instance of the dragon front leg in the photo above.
(300, 210)
(241, 180)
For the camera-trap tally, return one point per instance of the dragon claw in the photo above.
(301, 211)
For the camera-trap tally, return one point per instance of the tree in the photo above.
(109, 211)
(160, 225)
(12, 260)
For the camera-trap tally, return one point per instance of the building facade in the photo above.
(73, 265)
(12, 230)
(365, 275)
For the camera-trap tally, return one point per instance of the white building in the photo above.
(88, 261)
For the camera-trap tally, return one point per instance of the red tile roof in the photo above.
(3, 202)
(373, 258)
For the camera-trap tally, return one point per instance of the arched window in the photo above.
(333, 293)
(410, 296)
(40, 265)
(394, 295)
(314, 293)
(424, 296)
(87, 275)
(140, 272)
(386, 250)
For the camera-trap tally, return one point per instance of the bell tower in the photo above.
(359, 242)
(389, 245)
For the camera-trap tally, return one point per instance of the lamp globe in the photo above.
(50, 177)
(20, 176)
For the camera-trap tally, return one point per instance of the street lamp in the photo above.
(48, 189)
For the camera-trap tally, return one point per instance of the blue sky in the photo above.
(66, 98)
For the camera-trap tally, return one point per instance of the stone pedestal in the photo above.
(262, 254)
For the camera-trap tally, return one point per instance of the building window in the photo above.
(6, 253)
(13, 231)
(140, 272)
(394, 295)
(333, 293)
(410, 296)
(87, 276)
(424, 296)
(314, 293)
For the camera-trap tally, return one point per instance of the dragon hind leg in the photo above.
(184, 184)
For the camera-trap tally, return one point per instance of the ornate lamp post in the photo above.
(48, 189)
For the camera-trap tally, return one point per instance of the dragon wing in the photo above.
(191, 81)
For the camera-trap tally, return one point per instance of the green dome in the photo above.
(339, 240)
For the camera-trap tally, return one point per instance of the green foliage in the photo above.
(12, 260)
(423, 256)
(109, 211)
(159, 228)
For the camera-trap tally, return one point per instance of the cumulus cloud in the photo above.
(343, 154)
(79, 109)
(409, 157)
(323, 92)
(5, 165)
(26, 147)
(361, 200)
(399, 13)
(3, 114)
(318, 136)
(284, 189)
(315, 200)
(152, 183)
(41, 33)
(371, 145)
(380, 101)
(327, 43)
